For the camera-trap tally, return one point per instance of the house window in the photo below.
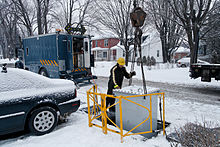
(158, 53)
(104, 54)
(99, 54)
(96, 43)
(106, 42)
(27, 51)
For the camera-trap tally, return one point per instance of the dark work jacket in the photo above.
(117, 75)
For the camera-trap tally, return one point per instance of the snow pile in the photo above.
(12, 61)
(18, 83)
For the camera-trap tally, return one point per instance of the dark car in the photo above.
(34, 102)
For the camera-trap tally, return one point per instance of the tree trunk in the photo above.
(39, 14)
(46, 9)
(126, 55)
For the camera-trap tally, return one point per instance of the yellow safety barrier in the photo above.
(94, 113)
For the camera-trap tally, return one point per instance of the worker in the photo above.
(117, 74)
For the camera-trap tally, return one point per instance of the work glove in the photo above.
(133, 73)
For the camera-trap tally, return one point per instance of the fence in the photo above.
(99, 111)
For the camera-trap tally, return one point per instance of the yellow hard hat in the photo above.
(121, 61)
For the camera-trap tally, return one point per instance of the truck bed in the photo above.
(205, 71)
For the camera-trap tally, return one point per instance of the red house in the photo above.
(180, 53)
(101, 48)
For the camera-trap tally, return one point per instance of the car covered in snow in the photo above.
(34, 102)
(185, 62)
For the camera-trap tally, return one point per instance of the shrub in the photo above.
(198, 135)
(153, 60)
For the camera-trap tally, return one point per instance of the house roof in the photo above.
(103, 37)
(99, 49)
(182, 50)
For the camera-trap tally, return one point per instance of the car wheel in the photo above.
(43, 120)
(43, 72)
(183, 65)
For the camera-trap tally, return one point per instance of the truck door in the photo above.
(78, 52)
(87, 52)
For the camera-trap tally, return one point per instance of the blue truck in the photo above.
(59, 55)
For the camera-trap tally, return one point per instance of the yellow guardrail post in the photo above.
(121, 121)
(103, 113)
(94, 98)
(150, 113)
(163, 114)
(89, 117)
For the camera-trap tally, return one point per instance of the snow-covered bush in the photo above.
(198, 135)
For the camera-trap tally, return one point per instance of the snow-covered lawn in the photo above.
(77, 133)
(159, 73)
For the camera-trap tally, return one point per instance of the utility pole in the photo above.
(137, 19)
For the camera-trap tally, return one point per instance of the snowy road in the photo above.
(202, 94)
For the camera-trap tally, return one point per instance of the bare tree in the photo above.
(8, 24)
(211, 39)
(114, 15)
(192, 15)
(71, 12)
(25, 15)
(164, 20)
(42, 7)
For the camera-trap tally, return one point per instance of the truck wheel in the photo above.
(43, 120)
(43, 72)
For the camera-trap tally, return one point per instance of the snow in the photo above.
(159, 73)
(138, 90)
(182, 50)
(18, 83)
(76, 131)
(2, 61)
(99, 48)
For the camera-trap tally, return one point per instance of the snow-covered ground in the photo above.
(77, 133)
(160, 73)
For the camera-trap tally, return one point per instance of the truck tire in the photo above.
(43, 120)
(43, 72)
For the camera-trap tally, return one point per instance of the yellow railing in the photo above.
(97, 109)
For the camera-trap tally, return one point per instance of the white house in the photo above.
(152, 46)
(111, 48)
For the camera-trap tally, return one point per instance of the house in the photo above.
(101, 48)
(151, 46)
(109, 49)
(180, 53)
